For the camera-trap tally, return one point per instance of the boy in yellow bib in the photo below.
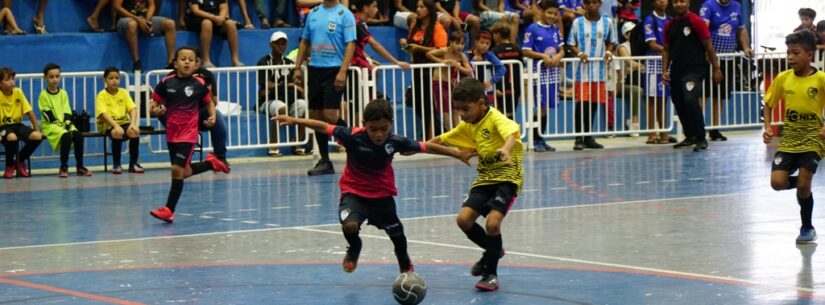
(117, 118)
(57, 125)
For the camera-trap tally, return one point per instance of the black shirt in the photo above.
(509, 51)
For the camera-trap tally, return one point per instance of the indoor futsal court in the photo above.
(631, 224)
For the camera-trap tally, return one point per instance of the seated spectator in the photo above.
(278, 14)
(382, 14)
(404, 13)
(58, 128)
(12, 26)
(205, 16)
(117, 118)
(806, 18)
(527, 10)
(13, 106)
(7, 18)
(138, 17)
(277, 93)
(451, 16)
(248, 25)
(93, 19)
(491, 11)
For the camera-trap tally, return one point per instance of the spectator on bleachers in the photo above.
(139, 17)
(426, 34)
(382, 14)
(591, 35)
(94, 18)
(570, 10)
(544, 43)
(278, 14)
(116, 117)
(447, 77)
(248, 25)
(451, 16)
(627, 11)
(508, 90)
(656, 90)
(806, 20)
(207, 16)
(38, 21)
(13, 106)
(278, 93)
(57, 124)
(10, 24)
(404, 13)
(724, 19)
(491, 11)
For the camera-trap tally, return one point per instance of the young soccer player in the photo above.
(117, 117)
(500, 174)
(56, 117)
(803, 138)
(13, 106)
(368, 183)
(178, 97)
(543, 42)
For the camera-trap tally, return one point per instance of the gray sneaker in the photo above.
(806, 236)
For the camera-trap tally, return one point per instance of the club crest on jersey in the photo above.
(690, 85)
(812, 92)
(777, 160)
(686, 31)
(189, 91)
(485, 134)
(331, 27)
(344, 214)
(527, 37)
(389, 149)
(340, 12)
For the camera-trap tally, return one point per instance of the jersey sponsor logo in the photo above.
(812, 92)
(331, 26)
(340, 12)
(686, 31)
(551, 51)
(648, 29)
(793, 116)
(8, 120)
(485, 133)
(389, 149)
(188, 90)
(703, 11)
(527, 37)
(725, 30)
(344, 214)
(489, 160)
(777, 160)
(690, 85)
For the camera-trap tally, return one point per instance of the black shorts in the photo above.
(790, 162)
(380, 212)
(21, 130)
(499, 197)
(322, 92)
(180, 154)
(725, 87)
(193, 24)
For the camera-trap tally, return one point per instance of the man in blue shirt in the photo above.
(329, 35)
(724, 18)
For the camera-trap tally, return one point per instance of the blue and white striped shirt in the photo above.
(592, 38)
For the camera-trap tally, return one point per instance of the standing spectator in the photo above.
(58, 127)
(138, 17)
(13, 106)
(329, 37)
(806, 19)
(656, 90)
(724, 19)
(543, 42)
(628, 79)
(245, 14)
(591, 36)
(117, 118)
(278, 93)
(278, 14)
(481, 52)
(686, 53)
(203, 16)
(491, 11)
(508, 90)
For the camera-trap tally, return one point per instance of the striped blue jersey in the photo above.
(725, 21)
(592, 38)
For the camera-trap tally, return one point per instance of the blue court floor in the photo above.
(631, 224)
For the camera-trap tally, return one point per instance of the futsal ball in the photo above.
(409, 288)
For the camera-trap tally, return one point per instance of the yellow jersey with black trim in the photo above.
(804, 101)
(486, 137)
(116, 106)
(13, 107)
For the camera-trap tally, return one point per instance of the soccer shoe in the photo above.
(136, 169)
(488, 283)
(579, 145)
(83, 172)
(349, 264)
(322, 168)
(21, 169)
(9, 174)
(688, 142)
(806, 236)
(410, 269)
(163, 213)
(117, 170)
(715, 135)
(538, 146)
(592, 144)
(548, 147)
(64, 172)
(701, 145)
(217, 164)
(479, 267)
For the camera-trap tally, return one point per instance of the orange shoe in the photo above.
(349, 264)
(217, 164)
(163, 213)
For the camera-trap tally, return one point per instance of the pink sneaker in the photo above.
(163, 213)
(217, 164)
(83, 172)
(9, 174)
(21, 169)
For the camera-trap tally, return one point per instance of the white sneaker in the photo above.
(634, 126)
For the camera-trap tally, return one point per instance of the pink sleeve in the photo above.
(330, 129)
(698, 24)
(207, 98)
(423, 146)
(157, 98)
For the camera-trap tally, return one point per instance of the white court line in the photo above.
(615, 184)
(206, 217)
(228, 219)
(642, 182)
(329, 224)
(696, 179)
(558, 188)
(274, 225)
(184, 214)
(312, 205)
(409, 198)
(246, 210)
(529, 191)
(252, 222)
(586, 186)
(279, 208)
(212, 212)
(440, 196)
(669, 180)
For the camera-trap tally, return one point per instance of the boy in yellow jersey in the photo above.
(116, 117)
(494, 137)
(13, 106)
(803, 140)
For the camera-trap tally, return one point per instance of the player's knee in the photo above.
(493, 228)
(36, 136)
(779, 184)
(395, 230)
(464, 223)
(474, 21)
(131, 133)
(350, 227)
(11, 137)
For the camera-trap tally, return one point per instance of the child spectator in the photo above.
(206, 16)
(451, 15)
(178, 97)
(508, 91)
(543, 42)
(656, 90)
(806, 19)
(802, 144)
(628, 79)
(116, 117)
(627, 11)
(500, 174)
(446, 77)
(820, 34)
(58, 128)
(481, 52)
(591, 35)
(491, 11)
(138, 17)
(13, 106)
(368, 183)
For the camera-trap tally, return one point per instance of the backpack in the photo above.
(638, 45)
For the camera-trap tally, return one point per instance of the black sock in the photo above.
(11, 152)
(792, 182)
(28, 149)
(117, 147)
(806, 210)
(174, 194)
(134, 151)
(78, 148)
(65, 145)
(477, 235)
(323, 145)
(200, 167)
(493, 252)
(400, 243)
(354, 244)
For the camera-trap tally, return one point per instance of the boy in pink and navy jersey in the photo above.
(368, 183)
(179, 97)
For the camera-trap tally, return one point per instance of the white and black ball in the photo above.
(409, 288)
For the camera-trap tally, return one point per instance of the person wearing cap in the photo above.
(656, 90)
(277, 93)
(138, 17)
(628, 79)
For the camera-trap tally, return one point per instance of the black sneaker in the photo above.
(579, 144)
(591, 143)
(323, 167)
(137, 66)
(701, 145)
(715, 135)
(685, 143)
(488, 283)
(479, 267)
